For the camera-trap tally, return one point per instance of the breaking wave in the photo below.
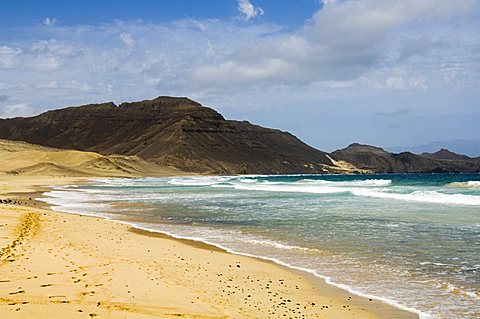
(468, 185)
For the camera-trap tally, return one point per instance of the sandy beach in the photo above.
(57, 265)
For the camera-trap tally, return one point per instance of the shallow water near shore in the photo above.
(411, 239)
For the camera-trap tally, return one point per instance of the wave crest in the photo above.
(468, 185)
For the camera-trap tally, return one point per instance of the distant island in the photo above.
(182, 134)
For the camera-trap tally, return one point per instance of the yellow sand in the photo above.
(56, 265)
(24, 159)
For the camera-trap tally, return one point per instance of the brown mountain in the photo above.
(183, 134)
(170, 131)
(378, 160)
(445, 154)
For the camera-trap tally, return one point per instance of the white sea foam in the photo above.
(354, 183)
(422, 196)
(392, 225)
(358, 188)
(270, 243)
(468, 185)
(378, 189)
(72, 204)
(270, 187)
(457, 290)
(233, 181)
(65, 196)
(199, 181)
(248, 180)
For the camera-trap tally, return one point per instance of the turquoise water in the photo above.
(412, 240)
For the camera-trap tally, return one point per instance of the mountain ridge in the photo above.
(467, 147)
(170, 131)
(179, 132)
(378, 160)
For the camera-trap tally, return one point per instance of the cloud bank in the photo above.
(340, 43)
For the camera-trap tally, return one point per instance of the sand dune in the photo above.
(45, 169)
(20, 158)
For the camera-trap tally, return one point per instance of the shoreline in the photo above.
(340, 301)
(316, 279)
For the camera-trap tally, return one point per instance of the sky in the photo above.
(387, 73)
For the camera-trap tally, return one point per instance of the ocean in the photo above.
(412, 240)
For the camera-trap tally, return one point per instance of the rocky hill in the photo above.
(378, 160)
(183, 134)
(445, 154)
(170, 131)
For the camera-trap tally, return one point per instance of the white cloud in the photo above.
(14, 110)
(48, 85)
(73, 66)
(127, 39)
(49, 21)
(9, 57)
(45, 63)
(246, 8)
(343, 41)
(53, 47)
(395, 78)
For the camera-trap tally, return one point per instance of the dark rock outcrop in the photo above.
(170, 131)
(380, 161)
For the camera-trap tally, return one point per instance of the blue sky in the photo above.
(389, 73)
(74, 12)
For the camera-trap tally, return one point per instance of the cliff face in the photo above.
(380, 161)
(170, 131)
